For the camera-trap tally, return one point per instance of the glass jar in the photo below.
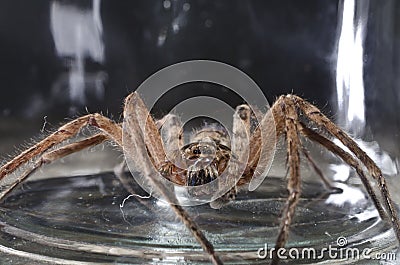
(77, 57)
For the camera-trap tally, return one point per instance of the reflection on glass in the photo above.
(350, 90)
(349, 72)
(77, 34)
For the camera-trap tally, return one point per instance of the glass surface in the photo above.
(75, 57)
(83, 219)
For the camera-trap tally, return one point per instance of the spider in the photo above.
(208, 153)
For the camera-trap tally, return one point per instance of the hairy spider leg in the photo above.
(143, 135)
(289, 115)
(315, 115)
(65, 132)
(51, 156)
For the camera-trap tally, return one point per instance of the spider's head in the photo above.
(206, 158)
(203, 150)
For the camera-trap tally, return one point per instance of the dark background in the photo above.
(285, 46)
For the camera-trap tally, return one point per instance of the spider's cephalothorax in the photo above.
(206, 156)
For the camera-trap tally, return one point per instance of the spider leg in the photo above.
(319, 172)
(270, 128)
(294, 183)
(137, 117)
(171, 130)
(349, 159)
(65, 132)
(315, 115)
(262, 146)
(241, 131)
(119, 172)
(240, 151)
(51, 156)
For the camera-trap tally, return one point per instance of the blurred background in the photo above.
(60, 59)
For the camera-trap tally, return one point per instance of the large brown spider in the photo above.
(210, 145)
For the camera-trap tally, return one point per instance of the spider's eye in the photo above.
(208, 151)
(196, 151)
